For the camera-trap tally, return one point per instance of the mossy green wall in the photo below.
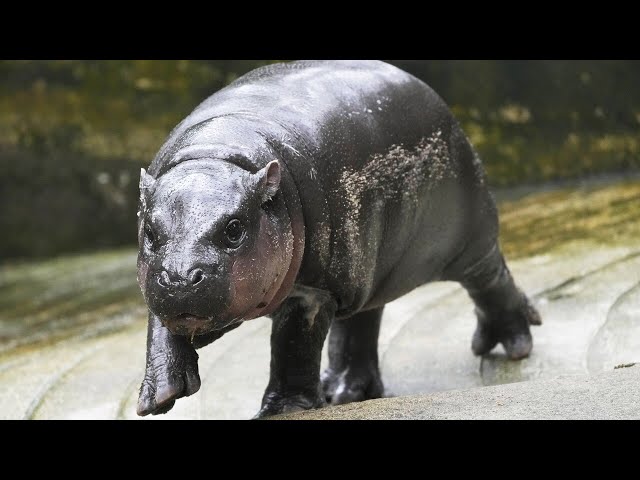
(74, 134)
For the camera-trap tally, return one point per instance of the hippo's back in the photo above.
(305, 99)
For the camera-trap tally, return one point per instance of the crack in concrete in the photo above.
(576, 278)
(600, 337)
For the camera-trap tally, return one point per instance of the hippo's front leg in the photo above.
(299, 329)
(171, 372)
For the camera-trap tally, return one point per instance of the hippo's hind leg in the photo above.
(298, 332)
(353, 374)
(504, 312)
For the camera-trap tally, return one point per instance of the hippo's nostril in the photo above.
(163, 279)
(195, 276)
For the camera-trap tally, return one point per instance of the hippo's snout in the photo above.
(192, 278)
(192, 298)
(195, 276)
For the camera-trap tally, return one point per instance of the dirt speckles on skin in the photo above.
(321, 238)
(288, 239)
(400, 172)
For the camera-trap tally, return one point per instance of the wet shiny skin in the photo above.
(191, 272)
(355, 185)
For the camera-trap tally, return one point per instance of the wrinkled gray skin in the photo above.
(314, 192)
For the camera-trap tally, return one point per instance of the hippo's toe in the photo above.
(511, 328)
(164, 385)
(355, 384)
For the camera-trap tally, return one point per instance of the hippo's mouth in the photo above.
(189, 324)
(188, 317)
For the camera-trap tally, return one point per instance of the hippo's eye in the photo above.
(234, 233)
(149, 236)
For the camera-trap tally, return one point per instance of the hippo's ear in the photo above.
(146, 180)
(268, 180)
(146, 184)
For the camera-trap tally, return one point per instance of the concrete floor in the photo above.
(611, 395)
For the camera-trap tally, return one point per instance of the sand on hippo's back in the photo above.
(400, 172)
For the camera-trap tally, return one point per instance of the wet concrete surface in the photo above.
(72, 330)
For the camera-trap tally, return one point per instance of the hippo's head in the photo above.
(215, 244)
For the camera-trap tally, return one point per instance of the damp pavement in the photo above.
(72, 331)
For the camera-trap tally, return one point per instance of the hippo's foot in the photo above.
(274, 403)
(166, 379)
(354, 384)
(511, 328)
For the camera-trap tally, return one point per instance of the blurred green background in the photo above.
(74, 134)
